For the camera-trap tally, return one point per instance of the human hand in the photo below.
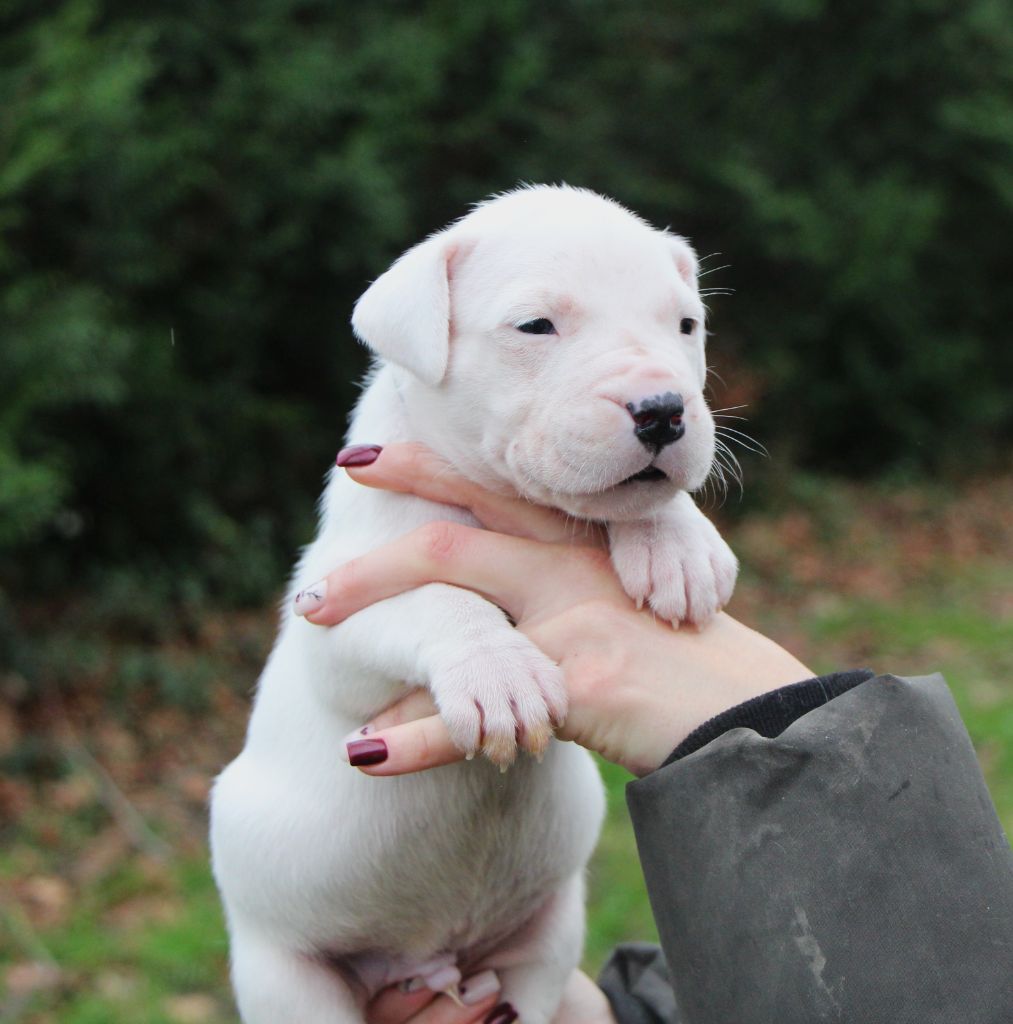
(583, 1003)
(478, 1003)
(637, 687)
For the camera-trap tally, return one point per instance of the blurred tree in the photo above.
(192, 195)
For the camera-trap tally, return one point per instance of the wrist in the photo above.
(679, 680)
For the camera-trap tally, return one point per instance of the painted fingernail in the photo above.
(473, 990)
(358, 455)
(354, 737)
(312, 599)
(363, 752)
(502, 1014)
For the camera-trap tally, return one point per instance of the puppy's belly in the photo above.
(416, 865)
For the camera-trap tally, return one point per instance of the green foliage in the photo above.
(192, 195)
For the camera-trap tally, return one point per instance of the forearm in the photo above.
(852, 868)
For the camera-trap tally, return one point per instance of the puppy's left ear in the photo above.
(404, 315)
(686, 262)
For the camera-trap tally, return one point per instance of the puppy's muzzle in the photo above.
(657, 421)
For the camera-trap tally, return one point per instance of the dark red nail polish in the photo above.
(502, 1014)
(362, 752)
(358, 455)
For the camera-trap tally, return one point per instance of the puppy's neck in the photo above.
(394, 408)
(382, 414)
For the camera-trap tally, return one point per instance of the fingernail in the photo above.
(481, 986)
(410, 985)
(354, 737)
(502, 1014)
(358, 455)
(363, 752)
(312, 599)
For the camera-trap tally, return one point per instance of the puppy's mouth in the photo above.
(647, 474)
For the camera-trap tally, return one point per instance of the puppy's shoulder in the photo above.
(356, 519)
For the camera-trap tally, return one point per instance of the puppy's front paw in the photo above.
(497, 693)
(679, 564)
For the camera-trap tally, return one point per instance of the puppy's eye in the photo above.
(539, 326)
(686, 325)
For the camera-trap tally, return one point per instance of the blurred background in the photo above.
(192, 195)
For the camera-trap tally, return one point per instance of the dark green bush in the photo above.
(192, 194)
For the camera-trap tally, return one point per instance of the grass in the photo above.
(618, 909)
(101, 926)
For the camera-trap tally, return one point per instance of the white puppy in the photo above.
(549, 343)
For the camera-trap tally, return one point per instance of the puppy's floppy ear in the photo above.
(685, 260)
(404, 315)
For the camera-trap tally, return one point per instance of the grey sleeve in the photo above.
(851, 869)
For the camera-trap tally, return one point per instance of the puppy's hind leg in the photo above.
(274, 985)
(536, 964)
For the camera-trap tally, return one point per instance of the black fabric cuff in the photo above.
(771, 713)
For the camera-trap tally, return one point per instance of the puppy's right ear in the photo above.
(404, 315)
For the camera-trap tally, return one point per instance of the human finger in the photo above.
(393, 1005)
(477, 997)
(401, 749)
(417, 703)
(517, 574)
(415, 469)
(413, 744)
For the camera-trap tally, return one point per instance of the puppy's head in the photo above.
(554, 342)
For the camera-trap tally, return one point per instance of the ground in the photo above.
(107, 911)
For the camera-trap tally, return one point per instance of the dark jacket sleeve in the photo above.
(851, 868)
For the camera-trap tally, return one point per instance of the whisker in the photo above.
(715, 481)
(721, 470)
(729, 460)
(743, 439)
(709, 489)
(714, 270)
(728, 463)
(762, 452)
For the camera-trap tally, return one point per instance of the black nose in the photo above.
(657, 421)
